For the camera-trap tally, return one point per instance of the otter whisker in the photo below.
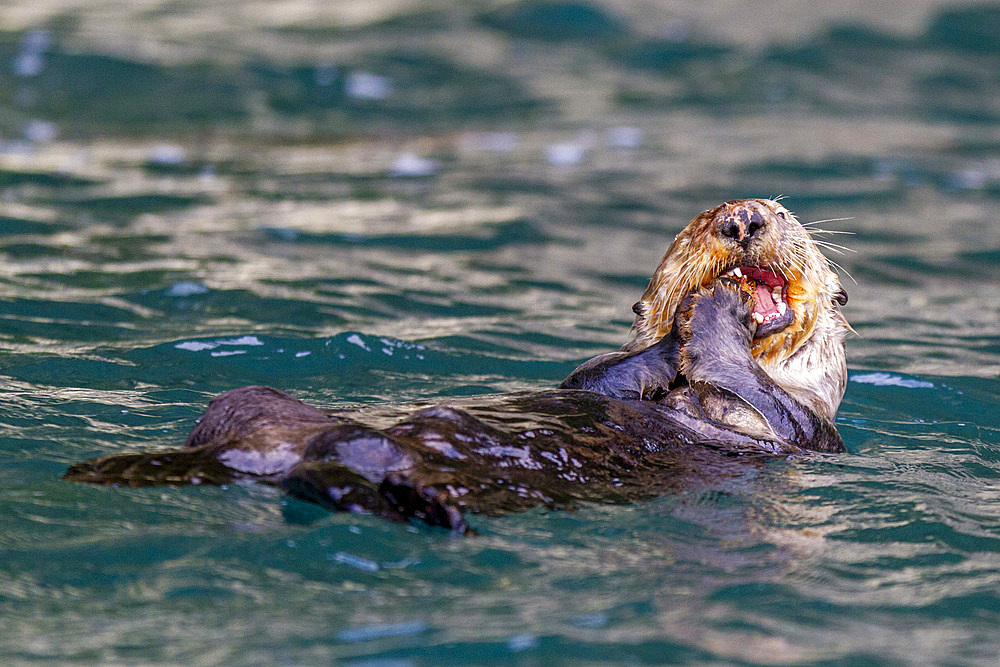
(829, 231)
(781, 270)
(836, 250)
(841, 249)
(797, 259)
(840, 268)
(801, 266)
(820, 222)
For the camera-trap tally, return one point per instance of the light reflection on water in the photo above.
(315, 202)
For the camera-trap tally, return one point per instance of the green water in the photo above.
(432, 201)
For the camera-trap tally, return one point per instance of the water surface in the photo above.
(432, 202)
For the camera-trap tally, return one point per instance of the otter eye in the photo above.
(781, 214)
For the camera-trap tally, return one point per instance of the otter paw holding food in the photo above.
(722, 308)
(716, 326)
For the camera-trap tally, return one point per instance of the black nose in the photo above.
(741, 224)
(730, 228)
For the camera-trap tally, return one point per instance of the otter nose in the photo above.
(741, 224)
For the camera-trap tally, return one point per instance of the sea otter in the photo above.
(799, 336)
(737, 349)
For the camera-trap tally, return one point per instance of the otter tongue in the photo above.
(765, 303)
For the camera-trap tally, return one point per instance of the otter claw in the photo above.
(744, 286)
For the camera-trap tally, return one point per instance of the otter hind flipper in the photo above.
(337, 487)
(423, 502)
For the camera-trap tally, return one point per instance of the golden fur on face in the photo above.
(743, 233)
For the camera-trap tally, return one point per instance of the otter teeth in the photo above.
(778, 307)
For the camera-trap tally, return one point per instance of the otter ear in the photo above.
(841, 296)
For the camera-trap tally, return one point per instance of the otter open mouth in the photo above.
(770, 310)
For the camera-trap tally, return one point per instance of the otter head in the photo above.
(759, 243)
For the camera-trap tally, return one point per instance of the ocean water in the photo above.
(370, 203)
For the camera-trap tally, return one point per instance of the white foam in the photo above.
(355, 339)
(195, 346)
(887, 380)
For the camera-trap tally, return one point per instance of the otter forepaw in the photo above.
(644, 375)
(722, 309)
(716, 325)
